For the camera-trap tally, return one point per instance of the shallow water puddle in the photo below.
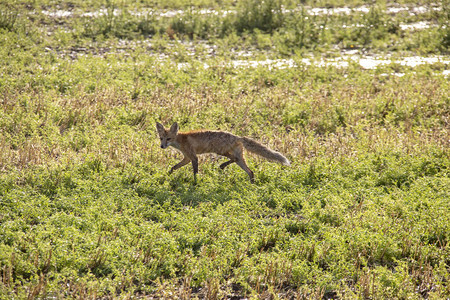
(206, 11)
(366, 62)
(416, 26)
(366, 9)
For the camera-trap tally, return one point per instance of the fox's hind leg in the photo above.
(243, 165)
(240, 161)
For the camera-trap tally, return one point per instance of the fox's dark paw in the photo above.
(225, 164)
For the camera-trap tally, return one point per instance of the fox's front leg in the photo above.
(184, 162)
(195, 166)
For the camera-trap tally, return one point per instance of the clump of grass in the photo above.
(193, 25)
(266, 16)
(112, 23)
(8, 16)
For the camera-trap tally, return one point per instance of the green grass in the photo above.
(88, 209)
(283, 27)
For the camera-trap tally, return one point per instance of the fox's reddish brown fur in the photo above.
(223, 143)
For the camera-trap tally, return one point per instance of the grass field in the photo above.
(88, 209)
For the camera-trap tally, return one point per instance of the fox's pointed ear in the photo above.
(160, 128)
(174, 128)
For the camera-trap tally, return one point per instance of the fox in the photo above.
(223, 143)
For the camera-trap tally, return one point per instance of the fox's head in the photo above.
(167, 137)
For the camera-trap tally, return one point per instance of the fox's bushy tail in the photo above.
(257, 148)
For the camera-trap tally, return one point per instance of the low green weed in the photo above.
(8, 17)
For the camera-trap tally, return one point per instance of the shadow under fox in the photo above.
(223, 143)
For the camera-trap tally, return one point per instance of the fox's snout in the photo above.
(165, 143)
